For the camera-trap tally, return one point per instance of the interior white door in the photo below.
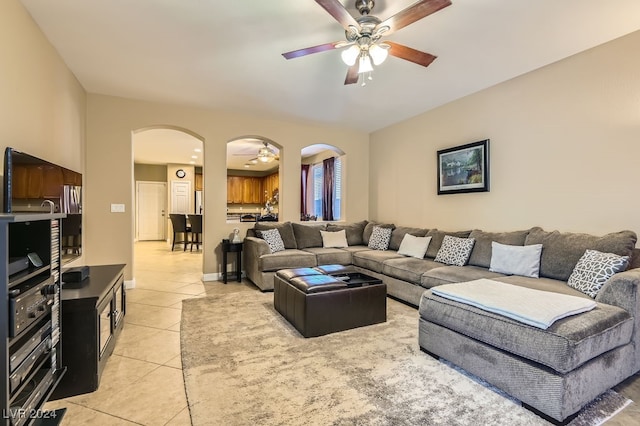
(181, 197)
(151, 210)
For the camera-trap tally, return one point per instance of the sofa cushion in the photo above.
(285, 229)
(481, 254)
(437, 237)
(455, 274)
(273, 239)
(354, 231)
(330, 256)
(594, 269)
(408, 269)
(368, 229)
(414, 246)
(373, 259)
(564, 346)
(398, 233)
(516, 260)
(561, 251)
(308, 235)
(334, 239)
(545, 284)
(454, 250)
(287, 259)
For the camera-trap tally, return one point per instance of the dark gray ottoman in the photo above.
(317, 304)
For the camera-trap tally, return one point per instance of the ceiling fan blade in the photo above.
(352, 75)
(313, 49)
(412, 14)
(409, 54)
(339, 13)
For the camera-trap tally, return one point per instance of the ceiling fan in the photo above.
(363, 35)
(265, 154)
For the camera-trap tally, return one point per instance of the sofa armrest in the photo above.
(622, 290)
(253, 249)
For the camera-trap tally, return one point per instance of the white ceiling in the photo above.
(227, 54)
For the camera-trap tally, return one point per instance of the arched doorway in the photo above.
(253, 179)
(168, 177)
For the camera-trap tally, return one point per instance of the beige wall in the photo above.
(42, 105)
(565, 150)
(150, 172)
(110, 123)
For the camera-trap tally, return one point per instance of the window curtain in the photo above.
(328, 185)
(304, 193)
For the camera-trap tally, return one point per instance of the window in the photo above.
(317, 183)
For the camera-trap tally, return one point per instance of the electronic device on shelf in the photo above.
(60, 191)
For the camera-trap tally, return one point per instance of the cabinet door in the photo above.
(119, 300)
(105, 328)
(251, 190)
(234, 189)
(199, 182)
(52, 182)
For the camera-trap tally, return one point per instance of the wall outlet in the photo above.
(117, 208)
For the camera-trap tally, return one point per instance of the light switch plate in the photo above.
(117, 208)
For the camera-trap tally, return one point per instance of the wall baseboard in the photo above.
(129, 284)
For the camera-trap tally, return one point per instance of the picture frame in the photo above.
(464, 168)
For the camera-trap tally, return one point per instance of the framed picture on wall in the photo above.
(464, 168)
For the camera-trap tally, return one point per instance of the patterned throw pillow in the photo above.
(273, 239)
(455, 250)
(594, 269)
(380, 238)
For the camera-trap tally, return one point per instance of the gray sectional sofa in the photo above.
(555, 371)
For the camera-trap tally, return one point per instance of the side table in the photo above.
(229, 247)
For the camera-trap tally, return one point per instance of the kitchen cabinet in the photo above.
(271, 183)
(252, 190)
(234, 189)
(35, 181)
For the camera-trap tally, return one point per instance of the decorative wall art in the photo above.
(464, 168)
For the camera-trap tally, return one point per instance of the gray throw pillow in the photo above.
(438, 236)
(368, 229)
(286, 232)
(380, 238)
(594, 269)
(454, 250)
(273, 239)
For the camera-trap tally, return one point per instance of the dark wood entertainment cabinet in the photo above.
(93, 311)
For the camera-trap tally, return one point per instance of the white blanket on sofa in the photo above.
(534, 307)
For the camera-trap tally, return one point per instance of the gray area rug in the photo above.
(244, 364)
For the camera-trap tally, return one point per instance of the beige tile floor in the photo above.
(142, 382)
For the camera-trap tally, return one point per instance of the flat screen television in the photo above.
(34, 185)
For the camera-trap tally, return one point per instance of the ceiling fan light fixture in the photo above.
(365, 64)
(379, 53)
(266, 154)
(350, 55)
